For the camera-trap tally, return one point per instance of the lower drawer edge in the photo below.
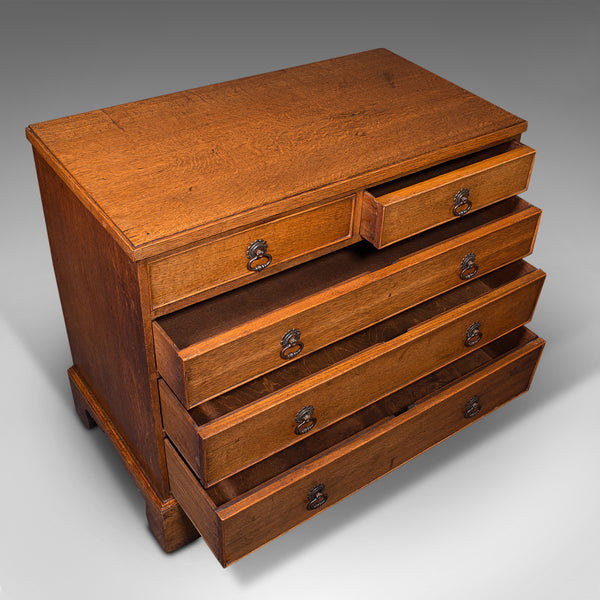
(245, 522)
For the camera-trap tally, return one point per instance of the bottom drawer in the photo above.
(252, 507)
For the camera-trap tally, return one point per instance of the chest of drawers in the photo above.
(280, 288)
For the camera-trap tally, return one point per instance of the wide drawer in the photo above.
(251, 253)
(251, 508)
(403, 207)
(216, 345)
(260, 418)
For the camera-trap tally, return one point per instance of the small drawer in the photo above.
(246, 255)
(251, 508)
(242, 334)
(406, 206)
(260, 418)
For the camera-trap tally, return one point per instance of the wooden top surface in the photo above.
(166, 171)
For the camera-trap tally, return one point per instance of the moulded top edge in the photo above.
(170, 170)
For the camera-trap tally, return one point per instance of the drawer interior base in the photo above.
(382, 332)
(387, 408)
(215, 316)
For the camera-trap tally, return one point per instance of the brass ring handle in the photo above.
(316, 497)
(473, 334)
(257, 250)
(468, 267)
(472, 407)
(305, 420)
(461, 199)
(290, 340)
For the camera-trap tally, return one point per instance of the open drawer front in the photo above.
(256, 505)
(206, 349)
(403, 207)
(241, 427)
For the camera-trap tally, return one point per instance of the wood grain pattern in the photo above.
(150, 207)
(196, 503)
(357, 461)
(170, 525)
(236, 337)
(166, 519)
(399, 209)
(383, 358)
(196, 163)
(214, 263)
(395, 404)
(100, 297)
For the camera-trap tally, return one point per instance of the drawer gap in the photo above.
(387, 408)
(441, 169)
(377, 334)
(198, 323)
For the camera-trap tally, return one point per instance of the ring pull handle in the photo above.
(462, 204)
(468, 267)
(473, 334)
(305, 420)
(290, 340)
(316, 497)
(256, 251)
(473, 407)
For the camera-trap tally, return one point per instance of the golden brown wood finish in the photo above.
(167, 521)
(224, 260)
(196, 163)
(170, 525)
(100, 297)
(348, 465)
(237, 336)
(394, 404)
(151, 207)
(407, 206)
(383, 358)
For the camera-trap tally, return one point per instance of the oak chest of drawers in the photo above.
(280, 288)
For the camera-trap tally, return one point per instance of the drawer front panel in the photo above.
(255, 347)
(409, 210)
(246, 435)
(227, 259)
(258, 516)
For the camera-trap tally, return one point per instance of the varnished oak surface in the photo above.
(167, 521)
(102, 303)
(235, 338)
(399, 209)
(196, 163)
(143, 202)
(383, 358)
(502, 349)
(214, 263)
(239, 504)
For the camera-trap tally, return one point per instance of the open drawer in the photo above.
(403, 207)
(241, 427)
(256, 505)
(214, 346)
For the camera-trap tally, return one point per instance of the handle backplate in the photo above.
(474, 334)
(305, 419)
(473, 407)
(291, 339)
(256, 251)
(316, 497)
(468, 267)
(462, 204)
